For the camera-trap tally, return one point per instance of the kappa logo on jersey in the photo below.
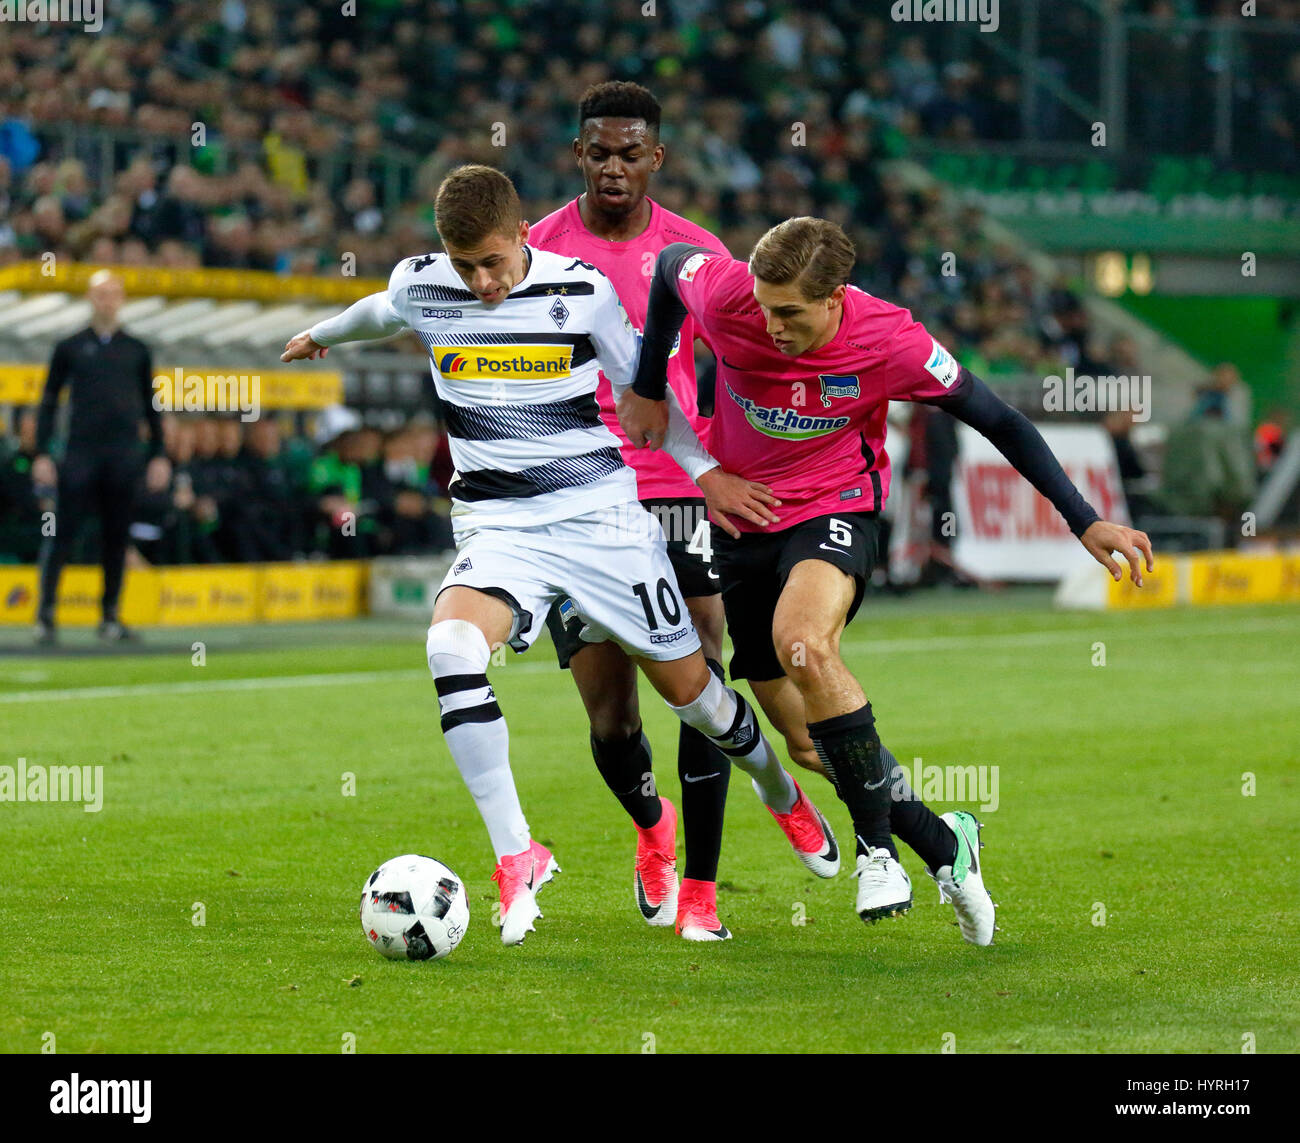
(670, 636)
(838, 385)
(942, 365)
(441, 314)
(510, 362)
(691, 267)
(785, 423)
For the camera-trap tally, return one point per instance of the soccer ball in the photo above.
(414, 908)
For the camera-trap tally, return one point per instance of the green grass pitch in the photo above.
(1121, 798)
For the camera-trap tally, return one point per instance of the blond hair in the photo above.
(813, 253)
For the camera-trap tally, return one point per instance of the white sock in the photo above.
(475, 731)
(725, 718)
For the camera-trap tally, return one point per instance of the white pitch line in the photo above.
(1061, 635)
(356, 678)
(273, 682)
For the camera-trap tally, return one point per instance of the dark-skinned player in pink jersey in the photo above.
(807, 365)
(616, 227)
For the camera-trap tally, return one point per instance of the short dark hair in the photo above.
(618, 99)
(473, 203)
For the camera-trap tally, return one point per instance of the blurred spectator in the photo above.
(275, 514)
(1280, 108)
(1209, 465)
(172, 526)
(21, 502)
(1270, 440)
(1132, 472)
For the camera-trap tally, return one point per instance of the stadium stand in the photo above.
(300, 143)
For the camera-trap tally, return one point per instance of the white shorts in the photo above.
(612, 564)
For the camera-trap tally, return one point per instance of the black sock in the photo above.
(851, 752)
(914, 822)
(625, 764)
(705, 773)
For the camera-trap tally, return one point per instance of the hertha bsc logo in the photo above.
(838, 385)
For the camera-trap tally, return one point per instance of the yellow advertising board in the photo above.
(1289, 588)
(286, 592)
(1200, 579)
(203, 388)
(1220, 578)
(194, 596)
(207, 282)
(80, 591)
(1159, 588)
(19, 588)
(21, 384)
(338, 590)
(220, 593)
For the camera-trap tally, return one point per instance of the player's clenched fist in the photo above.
(1101, 538)
(644, 421)
(302, 346)
(729, 495)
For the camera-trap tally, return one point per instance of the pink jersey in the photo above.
(629, 266)
(812, 427)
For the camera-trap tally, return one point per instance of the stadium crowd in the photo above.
(770, 110)
(242, 492)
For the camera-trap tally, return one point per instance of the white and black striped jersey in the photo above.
(517, 382)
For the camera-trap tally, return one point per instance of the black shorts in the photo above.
(754, 569)
(686, 526)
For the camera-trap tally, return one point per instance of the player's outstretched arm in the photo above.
(370, 319)
(1015, 437)
(641, 409)
(302, 347)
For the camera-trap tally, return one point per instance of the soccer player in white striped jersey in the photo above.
(543, 505)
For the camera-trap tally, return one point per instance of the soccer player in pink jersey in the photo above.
(807, 365)
(617, 228)
(544, 506)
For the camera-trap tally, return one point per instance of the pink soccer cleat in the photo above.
(656, 868)
(810, 834)
(697, 912)
(520, 876)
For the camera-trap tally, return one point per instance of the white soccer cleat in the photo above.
(656, 868)
(520, 877)
(961, 884)
(884, 888)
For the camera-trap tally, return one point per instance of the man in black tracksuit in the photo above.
(110, 380)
